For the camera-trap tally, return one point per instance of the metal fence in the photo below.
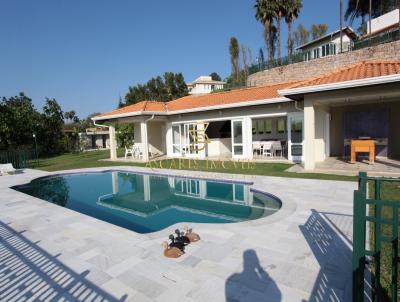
(20, 159)
(375, 239)
(382, 38)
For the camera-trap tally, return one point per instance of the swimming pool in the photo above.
(148, 202)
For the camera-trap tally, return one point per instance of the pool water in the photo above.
(147, 203)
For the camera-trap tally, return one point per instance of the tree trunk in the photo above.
(268, 40)
(289, 40)
(278, 28)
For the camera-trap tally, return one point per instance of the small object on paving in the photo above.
(171, 252)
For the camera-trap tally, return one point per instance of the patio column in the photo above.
(113, 143)
(309, 135)
(144, 140)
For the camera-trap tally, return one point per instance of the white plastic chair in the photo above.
(257, 148)
(277, 147)
(267, 149)
(129, 151)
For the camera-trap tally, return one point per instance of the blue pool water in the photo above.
(147, 203)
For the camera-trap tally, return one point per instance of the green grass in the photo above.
(390, 191)
(93, 159)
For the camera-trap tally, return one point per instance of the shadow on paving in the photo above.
(27, 272)
(332, 249)
(253, 283)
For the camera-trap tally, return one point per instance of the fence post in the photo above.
(358, 261)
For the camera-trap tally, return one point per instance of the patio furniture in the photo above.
(359, 145)
(257, 148)
(129, 151)
(277, 148)
(137, 150)
(267, 148)
(7, 169)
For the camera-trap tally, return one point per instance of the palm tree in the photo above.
(265, 14)
(292, 9)
(279, 12)
(234, 52)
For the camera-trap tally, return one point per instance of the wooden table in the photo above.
(362, 145)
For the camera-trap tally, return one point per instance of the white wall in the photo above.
(384, 21)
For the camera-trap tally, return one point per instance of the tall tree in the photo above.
(261, 56)
(215, 76)
(292, 10)
(19, 120)
(360, 8)
(265, 12)
(301, 35)
(245, 61)
(234, 53)
(318, 30)
(51, 135)
(279, 12)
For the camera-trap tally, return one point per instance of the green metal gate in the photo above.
(375, 238)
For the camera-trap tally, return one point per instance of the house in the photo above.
(311, 120)
(328, 45)
(95, 138)
(386, 22)
(204, 84)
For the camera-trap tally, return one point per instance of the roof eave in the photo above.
(295, 92)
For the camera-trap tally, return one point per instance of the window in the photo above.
(260, 126)
(316, 53)
(254, 127)
(268, 126)
(281, 125)
(307, 56)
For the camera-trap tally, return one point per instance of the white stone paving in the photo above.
(300, 253)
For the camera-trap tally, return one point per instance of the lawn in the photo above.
(94, 159)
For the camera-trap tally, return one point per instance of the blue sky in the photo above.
(86, 53)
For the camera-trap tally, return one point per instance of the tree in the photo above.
(360, 8)
(318, 30)
(279, 11)
(301, 36)
(51, 135)
(261, 56)
(292, 9)
(234, 53)
(70, 115)
(215, 76)
(166, 88)
(265, 14)
(124, 134)
(19, 120)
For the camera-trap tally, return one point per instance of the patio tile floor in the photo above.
(298, 254)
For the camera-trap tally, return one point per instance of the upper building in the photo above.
(329, 44)
(204, 84)
(386, 22)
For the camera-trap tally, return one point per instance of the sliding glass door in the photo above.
(295, 136)
(237, 138)
(190, 144)
(176, 140)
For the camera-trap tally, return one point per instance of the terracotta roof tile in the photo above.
(228, 97)
(207, 100)
(358, 71)
(143, 106)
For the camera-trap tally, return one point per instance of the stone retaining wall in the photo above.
(304, 70)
